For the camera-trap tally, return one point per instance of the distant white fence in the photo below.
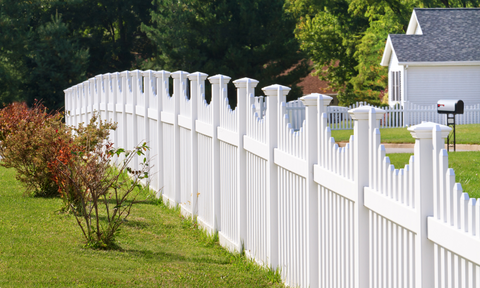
(326, 216)
(397, 116)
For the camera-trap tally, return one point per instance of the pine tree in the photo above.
(56, 63)
(236, 38)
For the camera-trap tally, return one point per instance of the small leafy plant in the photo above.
(26, 136)
(101, 195)
(84, 140)
(31, 139)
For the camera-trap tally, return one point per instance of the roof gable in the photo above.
(413, 25)
(447, 35)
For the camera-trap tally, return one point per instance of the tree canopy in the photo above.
(237, 38)
(345, 40)
(50, 45)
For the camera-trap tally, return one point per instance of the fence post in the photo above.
(179, 81)
(137, 93)
(75, 108)
(68, 104)
(219, 82)
(97, 98)
(424, 200)
(375, 115)
(361, 169)
(91, 83)
(197, 88)
(148, 83)
(244, 87)
(106, 104)
(123, 96)
(114, 78)
(323, 101)
(312, 104)
(162, 91)
(276, 94)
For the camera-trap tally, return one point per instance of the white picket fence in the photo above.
(326, 216)
(394, 117)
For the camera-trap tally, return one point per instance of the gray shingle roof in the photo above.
(448, 35)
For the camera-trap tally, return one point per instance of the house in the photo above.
(437, 58)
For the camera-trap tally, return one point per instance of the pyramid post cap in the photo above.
(179, 74)
(324, 98)
(273, 89)
(147, 73)
(424, 130)
(362, 112)
(242, 82)
(309, 100)
(162, 73)
(195, 75)
(215, 79)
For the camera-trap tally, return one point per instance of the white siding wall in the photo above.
(427, 85)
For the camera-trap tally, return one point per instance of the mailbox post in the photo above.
(451, 108)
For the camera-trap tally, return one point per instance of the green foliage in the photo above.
(371, 81)
(56, 62)
(345, 40)
(328, 32)
(235, 38)
(110, 29)
(15, 17)
(50, 45)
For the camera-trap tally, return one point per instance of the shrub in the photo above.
(102, 196)
(31, 139)
(84, 140)
(27, 135)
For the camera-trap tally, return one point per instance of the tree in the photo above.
(56, 62)
(329, 33)
(110, 29)
(236, 38)
(40, 55)
(15, 19)
(348, 37)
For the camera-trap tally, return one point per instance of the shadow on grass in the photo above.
(174, 257)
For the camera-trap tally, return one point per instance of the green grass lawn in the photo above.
(466, 134)
(465, 164)
(42, 248)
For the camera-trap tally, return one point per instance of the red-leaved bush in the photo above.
(26, 136)
(31, 139)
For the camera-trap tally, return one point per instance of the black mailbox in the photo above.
(450, 106)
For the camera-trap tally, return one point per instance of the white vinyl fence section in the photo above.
(326, 216)
(397, 116)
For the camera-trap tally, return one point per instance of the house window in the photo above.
(396, 86)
